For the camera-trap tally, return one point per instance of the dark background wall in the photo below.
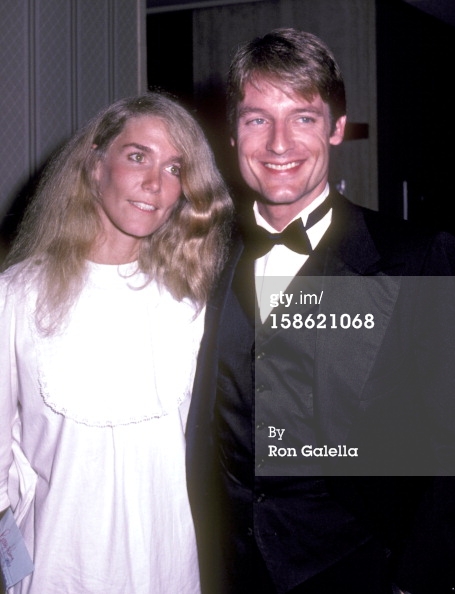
(416, 100)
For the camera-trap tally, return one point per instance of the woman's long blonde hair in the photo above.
(62, 224)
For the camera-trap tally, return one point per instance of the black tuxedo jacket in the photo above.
(390, 392)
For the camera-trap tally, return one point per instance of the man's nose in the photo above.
(280, 139)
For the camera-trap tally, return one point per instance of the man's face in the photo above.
(283, 143)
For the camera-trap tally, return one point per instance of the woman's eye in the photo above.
(174, 169)
(137, 157)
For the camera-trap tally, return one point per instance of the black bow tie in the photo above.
(294, 236)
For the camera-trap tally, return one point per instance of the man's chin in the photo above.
(271, 199)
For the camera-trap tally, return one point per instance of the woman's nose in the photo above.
(152, 179)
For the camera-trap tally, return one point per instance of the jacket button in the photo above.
(260, 498)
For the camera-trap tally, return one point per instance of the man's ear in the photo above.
(338, 134)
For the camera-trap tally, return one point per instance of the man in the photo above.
(362, 379)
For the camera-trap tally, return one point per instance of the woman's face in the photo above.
(138, 182)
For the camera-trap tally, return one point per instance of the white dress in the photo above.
(92, 448)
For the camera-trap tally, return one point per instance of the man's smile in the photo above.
(282, 166)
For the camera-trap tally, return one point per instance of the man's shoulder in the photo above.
(398, 239)
(379, 224)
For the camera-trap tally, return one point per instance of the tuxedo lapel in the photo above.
(357, 311)
(243, 285)
(353, 284)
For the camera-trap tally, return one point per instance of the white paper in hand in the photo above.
(14, 558)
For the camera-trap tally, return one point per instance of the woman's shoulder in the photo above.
(17, 280)
(10, 275)
(19, 270)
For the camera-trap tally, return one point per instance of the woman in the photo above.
(101, 318)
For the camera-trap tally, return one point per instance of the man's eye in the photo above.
(256, 122)
(174, 169)
(307, 119)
